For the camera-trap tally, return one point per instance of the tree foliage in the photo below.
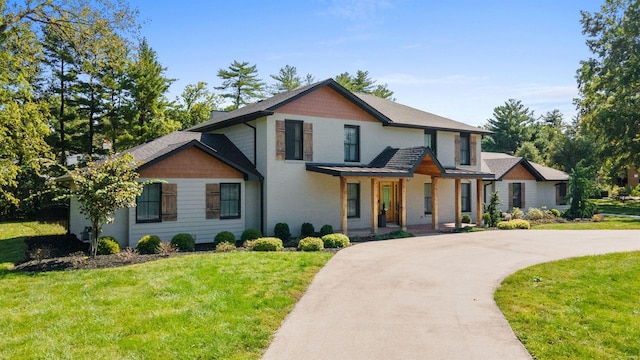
(581, 187)
(195, 105)
(511, 125)
(241, 84)
(609, 81)
(103, 187)
(286, 79)
(361, 82)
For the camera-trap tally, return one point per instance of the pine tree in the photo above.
(241, 84)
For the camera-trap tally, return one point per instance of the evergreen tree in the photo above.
(362, 83)
(287, 79)
(511, 125)
(241, 84)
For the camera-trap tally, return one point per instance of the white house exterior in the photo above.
(317, 154)
(524, 184)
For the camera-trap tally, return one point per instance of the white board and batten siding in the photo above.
(191, 208)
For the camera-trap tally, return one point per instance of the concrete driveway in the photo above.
(427, 297)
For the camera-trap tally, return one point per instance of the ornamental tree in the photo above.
(103, 187)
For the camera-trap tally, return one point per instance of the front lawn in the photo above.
(627, 207)
(12, 246)
(609, 223)
(201, 306)
(581, 308)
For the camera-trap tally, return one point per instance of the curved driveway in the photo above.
(427, 297)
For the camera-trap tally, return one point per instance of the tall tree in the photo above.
(241, 84)
(609, 81)
(361, 82)
(286, 79)
(511, 126)
(147, 85)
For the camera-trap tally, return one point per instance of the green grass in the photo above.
(581, 308)
(202, 306)
(628, 207)
(12, 246)
(609, 223)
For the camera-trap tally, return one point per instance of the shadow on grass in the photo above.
(13, 250)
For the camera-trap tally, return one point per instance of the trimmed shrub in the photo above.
(268, 244)
(555, 212)
(225, 247)
(107, 245)
(516, 213)
(466, 219)
(335, 241)
(281, 231)
(184, 242)
(514, 224)
(535, 214)
(326, 230)
(307, 230)
(224, 236)
(250, 234)
(310, 244)
(148, 244)
(486, 217)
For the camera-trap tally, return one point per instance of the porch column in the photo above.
(343, 199)
(403, 203)
(458, 202)
(434, 203)
(375, 206)
(479, 197)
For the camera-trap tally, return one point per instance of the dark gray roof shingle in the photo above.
(500, 164)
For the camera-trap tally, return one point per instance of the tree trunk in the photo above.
(63, 155)
(94, 239)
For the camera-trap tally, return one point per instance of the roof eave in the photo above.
(231, 121)
(425, 127)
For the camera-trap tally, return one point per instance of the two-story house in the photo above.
(317, 154)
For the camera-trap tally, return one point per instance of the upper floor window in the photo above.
(466, 197)
(293, 139)
(351, 143)
(430, 140)
(465, 149)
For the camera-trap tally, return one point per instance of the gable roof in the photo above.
(406, 116)
(216, 145)
(501, 164)
(389, 113)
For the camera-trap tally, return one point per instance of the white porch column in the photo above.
(434, 203)
(375, 206)
(343, 198)
(458, 202)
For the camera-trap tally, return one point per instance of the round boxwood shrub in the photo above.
(224, 236)
(307, 230)
(310, 244)
(335, 241)
(107, 245)
(326, 230)
(555, 212)
(466, 219)
(250, 234)
(281, 231)
(268, 244)
(184, 242)
(148, 244)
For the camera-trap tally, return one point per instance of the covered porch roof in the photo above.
(394, 162)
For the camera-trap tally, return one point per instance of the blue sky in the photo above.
(458, 59)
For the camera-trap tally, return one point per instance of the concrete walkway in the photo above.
(428, 297)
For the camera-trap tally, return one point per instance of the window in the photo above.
(351, 143)
(148, 204)
(516, 200)
(465, 149)
(561, 194)
(293, 139)
(353, 200)
(229, 201)
(428, 201)
(466, 197)
(430, 140)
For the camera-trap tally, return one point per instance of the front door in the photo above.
(388, 199)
